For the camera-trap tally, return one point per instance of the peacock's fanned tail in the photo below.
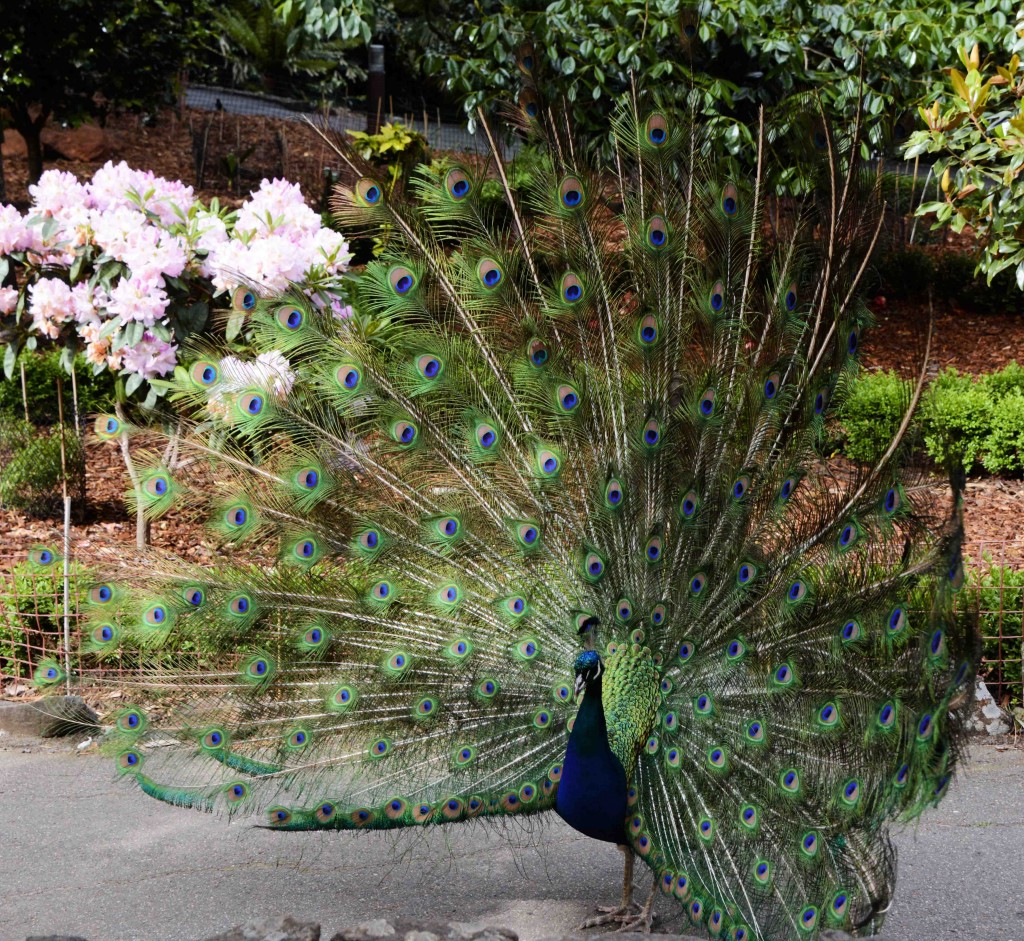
(601, 394)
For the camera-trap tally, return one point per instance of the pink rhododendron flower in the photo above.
(8, 300)
(212, 234)
(277, 207)
(157, 230)
(136, 299)
(88, 303)
(111, 185)
(278, 239)
(331, 245)
(55, 191)
(50, 305)
(151, 356)
(97, 348)
(15, 235)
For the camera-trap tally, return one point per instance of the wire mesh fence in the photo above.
(32, 629)
(999, 579)
(238, 138)
(440, 134)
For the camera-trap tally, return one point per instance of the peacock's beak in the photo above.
(578, 687)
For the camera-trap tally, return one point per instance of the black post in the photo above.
(375, 89)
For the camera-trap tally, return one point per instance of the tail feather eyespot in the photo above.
(656, 130)
(368, 193)
(458, 184)
(571, 194)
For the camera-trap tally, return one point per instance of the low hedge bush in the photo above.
(31, 472)
(42, 369)
(962, 421)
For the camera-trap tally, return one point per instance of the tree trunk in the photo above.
(31, 130)
(34, 146)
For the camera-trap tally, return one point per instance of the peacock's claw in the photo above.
(626, 917)
(640, 923)
(610, 915)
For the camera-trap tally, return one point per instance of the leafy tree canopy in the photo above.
(74, 58)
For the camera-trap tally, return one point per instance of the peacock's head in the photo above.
(588, 669)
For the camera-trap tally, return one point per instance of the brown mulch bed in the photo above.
(994, 509)
(969, 341)
(105, 522)
(271, 147)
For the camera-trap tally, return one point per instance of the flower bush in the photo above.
(126, 266)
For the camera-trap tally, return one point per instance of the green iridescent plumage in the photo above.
(594, 404)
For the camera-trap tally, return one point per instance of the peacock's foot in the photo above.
(629, 917)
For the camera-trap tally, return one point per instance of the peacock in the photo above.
(552, 523)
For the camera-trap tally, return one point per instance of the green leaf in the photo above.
(10, 358)
(133, 382)
(234, 326)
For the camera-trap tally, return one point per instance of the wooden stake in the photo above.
(67, 533)
(24, 392)
(74, 394)
(141, 526)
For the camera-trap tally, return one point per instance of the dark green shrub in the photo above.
(95, 393)
(954, 275)
(872, 413)
(960, 419)
(1006, 381)
(1004, 446)
(956, 414)
(912, 272)
(31, 473)
(906, 273)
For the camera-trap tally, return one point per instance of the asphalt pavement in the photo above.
(81, 854)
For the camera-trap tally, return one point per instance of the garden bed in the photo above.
(994, 508)
(251, 147)
(971, 342)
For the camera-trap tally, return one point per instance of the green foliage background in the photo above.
(737, 53)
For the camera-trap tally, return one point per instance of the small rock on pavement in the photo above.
(408, 929)
(49, 717)
(987, 716)
(283, 928)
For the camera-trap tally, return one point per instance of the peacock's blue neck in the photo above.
(590, 731)
(592, 791)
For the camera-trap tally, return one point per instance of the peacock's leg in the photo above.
(627, 909)
(642, 920)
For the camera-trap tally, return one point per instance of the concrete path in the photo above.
(439, 136)
(81, 854)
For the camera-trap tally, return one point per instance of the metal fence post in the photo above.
(375, 89)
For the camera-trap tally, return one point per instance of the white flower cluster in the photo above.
(162, 238)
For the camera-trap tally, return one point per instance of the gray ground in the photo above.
(82, 854)
(440, 136)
